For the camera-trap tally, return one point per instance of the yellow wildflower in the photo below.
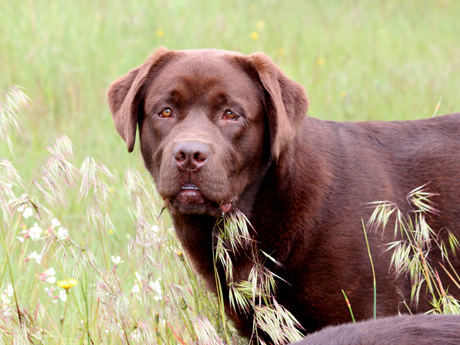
(320, 61)
(254, 35)
(67, 284)
(260, 24)
(160, 33)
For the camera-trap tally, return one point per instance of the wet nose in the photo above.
(190, 155)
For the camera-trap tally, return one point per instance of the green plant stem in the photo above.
(65, 309)
(349, 306)
(11, 273)
(373, 270)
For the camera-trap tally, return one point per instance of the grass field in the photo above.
(358, 60)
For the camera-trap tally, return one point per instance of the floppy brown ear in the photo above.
(124, 97)
(286, 102)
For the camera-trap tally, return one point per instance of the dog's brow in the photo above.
(176, 96)
(219, 99)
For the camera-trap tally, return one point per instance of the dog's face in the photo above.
(209, 122)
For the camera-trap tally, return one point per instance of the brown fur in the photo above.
(303, 183)
(396, 330)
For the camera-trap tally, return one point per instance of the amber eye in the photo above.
(166, 112)
(230, 115)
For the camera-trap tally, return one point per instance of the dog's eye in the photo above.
(230, 115)
(166, 112)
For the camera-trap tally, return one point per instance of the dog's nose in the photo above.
(190, 155)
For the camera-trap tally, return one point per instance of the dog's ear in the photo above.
(126, 93)
(285, 102)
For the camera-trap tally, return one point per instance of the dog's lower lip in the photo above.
(190, 195)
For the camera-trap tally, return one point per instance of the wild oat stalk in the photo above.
(256, 295)
(206, 333)
(56, 171)
(13, 100)
(411, 252)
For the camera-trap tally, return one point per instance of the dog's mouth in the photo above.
(189, 186)
(190, 195)
(191, 199)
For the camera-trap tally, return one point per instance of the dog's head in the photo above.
(209, 122)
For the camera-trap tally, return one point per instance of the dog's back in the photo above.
(398, 330)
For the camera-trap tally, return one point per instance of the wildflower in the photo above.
(343, 94)
(7, 293)
(137, 284)
(320, 61)
(55, 223)
(116, 260)
(28, 212)
(34, 256)
(63, 233)
(180, 255)
(5, 299)
(63, 295)
(160, 33)
(260, 24)
(48, 276)
(35, 232)
(156, 287)
(50, 292)
(67, 284)
(254, 35)
(281, 51)
(136, 289)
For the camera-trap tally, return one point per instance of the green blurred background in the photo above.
(358, 60)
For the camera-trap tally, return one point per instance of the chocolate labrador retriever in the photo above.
(396, 330)
(220, 131)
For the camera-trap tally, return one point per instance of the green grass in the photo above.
(365, 60)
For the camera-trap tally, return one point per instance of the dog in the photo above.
(397, 330)
(220, 132)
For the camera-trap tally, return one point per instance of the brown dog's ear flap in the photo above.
(124, 97)
(286, 102)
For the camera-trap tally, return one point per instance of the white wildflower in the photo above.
(5, 299)
(136, 288)
(63, 233)
(35, 232)
(62, 295)
(28, 212)
(116, 260)
(48, 276)
(156, 287)
(55, 223)
(35, 256)
(9, 292)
